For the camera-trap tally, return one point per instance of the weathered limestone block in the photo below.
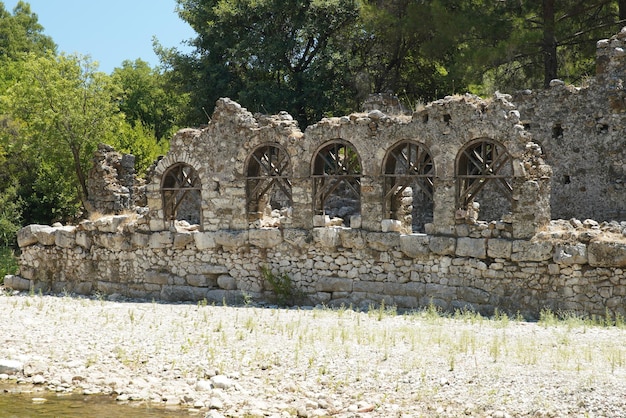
(334, 284)
(110, 223)
(182, 239)
(474, 295)
(327, 237)
(156, 224)
(139, 240)
(471, 247)
(33, 234)
(297, 237)
(163, 239)
(356, 221)
(65, 237)
(415, 245)
(200, 280)
(265, 237)
(156, 277)
(231, 239)
(227, 282)
(442, 245)
(212, 269)
(114, 242)
(531, 251)
(499, 248)
(570, 254)
(368, 287)
(352, 238)
(16, 282)
(204, 240)
(382, 241)
(182, 293)
(83, 239)
(607, 254)
(394, 289)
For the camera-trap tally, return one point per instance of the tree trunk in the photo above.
(82, 181)
(549, 43)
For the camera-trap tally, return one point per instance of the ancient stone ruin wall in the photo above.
(450, 205)
(582, 132)
(570, 267)
(112, 184)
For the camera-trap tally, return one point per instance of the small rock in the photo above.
(38, 380)
(221, 382)
(216, 403)
(203, 386)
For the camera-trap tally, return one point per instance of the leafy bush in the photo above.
(8, 262)
(282, 286)
(10, 216)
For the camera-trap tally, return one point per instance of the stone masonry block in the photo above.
(499, 248)
(327, 237)
(531, 251)
(65, 237)
(382, 241)
(607, 254)
(231, 239)
(265, 237)
(570, 254)
(414, 245)
(471, 247)
(204, 240)
(442, 245)
(334, 284)
(368, 287)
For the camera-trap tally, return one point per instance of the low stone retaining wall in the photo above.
(331, 265)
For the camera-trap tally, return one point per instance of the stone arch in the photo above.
(484, 173)
(268, 184)
(181, 194)
(408, 173)
(336, 171)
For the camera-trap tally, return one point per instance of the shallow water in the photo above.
(51, 405)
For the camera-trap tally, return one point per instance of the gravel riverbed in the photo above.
(224, 361)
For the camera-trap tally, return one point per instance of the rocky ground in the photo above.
(258, 361)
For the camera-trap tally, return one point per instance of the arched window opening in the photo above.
(337, 182)
(408, 186)
(181, 193)
(268, 186)
(484, 188)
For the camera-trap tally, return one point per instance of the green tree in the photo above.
(536, 42)
(21, 33)
(269, 55)
(145, 98)
(65, 108)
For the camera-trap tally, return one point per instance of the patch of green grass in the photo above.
(8, 262)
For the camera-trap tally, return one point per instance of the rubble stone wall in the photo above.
(582, 131)
(570, 267)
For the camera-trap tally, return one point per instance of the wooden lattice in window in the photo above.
(480, 163)
(407, 165)
(337, 180)
(181, 194)
(268, 180)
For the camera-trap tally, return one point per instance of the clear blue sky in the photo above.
(110, 31)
